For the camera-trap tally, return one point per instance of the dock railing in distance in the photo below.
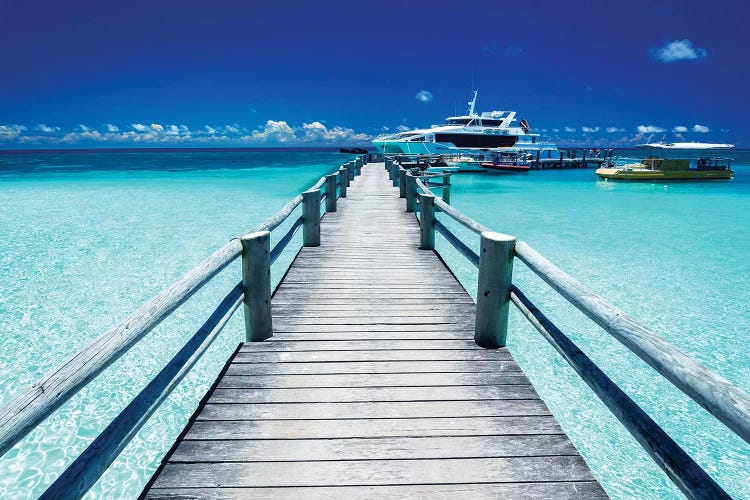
(28, 409)
(727, 403)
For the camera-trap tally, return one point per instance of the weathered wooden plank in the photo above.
(335, 367)
(464, 355)
(323, 334)
(385, 472)
(360, 345)
(428, 327)
(364, 394)
(578, 490)
(376, 409)
(373, 449)
(372, 380)
(372, 428)
(283, 320)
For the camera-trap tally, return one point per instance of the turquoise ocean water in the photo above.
(85, 238)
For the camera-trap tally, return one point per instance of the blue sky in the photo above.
(241, 73)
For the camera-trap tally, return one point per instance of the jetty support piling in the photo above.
(256, 283)
(343, 183)
(331, 193)
(493, 290)
(401, 183)
(411, 193)
(446, 186)
(427, 221)
(311, 218)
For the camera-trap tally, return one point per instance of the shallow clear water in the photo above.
(86, 238)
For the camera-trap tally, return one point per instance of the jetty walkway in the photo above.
(363, 376)
(372, 384)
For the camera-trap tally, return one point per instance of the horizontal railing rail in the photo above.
(28, 409)
(727, 403)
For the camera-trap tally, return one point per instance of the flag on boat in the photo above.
(525, 125)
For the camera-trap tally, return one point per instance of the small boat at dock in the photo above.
(504, 163)
(669, 169)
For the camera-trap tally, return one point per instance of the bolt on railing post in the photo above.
(331, 193)
(493, 290)
(401, 183)
(343, 176)
(447, 186)
(427, 221)
(311, 218)
(411, 192)
(256, 282)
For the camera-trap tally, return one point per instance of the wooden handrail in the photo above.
(713, 392)
(678, 465)
(85, 470)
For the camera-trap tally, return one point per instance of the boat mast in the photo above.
(473, 103)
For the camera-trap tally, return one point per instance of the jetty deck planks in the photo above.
(372, 385)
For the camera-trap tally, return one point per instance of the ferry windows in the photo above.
(477, 140)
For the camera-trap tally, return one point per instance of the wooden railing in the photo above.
(31, 407)
(495, 292)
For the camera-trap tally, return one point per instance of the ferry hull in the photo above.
(663, 175)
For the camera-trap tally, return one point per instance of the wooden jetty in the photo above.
(363, 375)
(372, 384)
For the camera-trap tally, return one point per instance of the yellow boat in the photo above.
(663, 169)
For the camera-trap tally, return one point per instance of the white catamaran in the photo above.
(467, 135)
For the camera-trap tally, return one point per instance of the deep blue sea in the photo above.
(86, 237)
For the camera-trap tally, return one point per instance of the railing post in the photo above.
(427, 221)
(311, 218)
(401, 183)
(395, 176)
(411, 192)
(447, 186)
(493, 290)
(331, 193)
(350, 169)
(387, 161)
(343, 181)
(256, 282)
(391, 168)
(365, 159)
(358, 164)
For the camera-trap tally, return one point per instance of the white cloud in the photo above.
(678, 50)
(112, 128)
(555, 130)
(232, 129)
(172, 130)
(402, 128)
(274, 131)
(679, 129)
(590, 129)
(385, 129)
(138, 127)
(209, 129)
(10, 132)
(569, 129)
(157, 127)
(46, 129)
(650, 129)
(613, 130)
(424, 96)
(83, 128)
(701, 129)
(316, 131)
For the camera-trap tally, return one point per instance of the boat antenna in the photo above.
(473, 103)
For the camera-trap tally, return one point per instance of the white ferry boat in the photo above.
(467, 135)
